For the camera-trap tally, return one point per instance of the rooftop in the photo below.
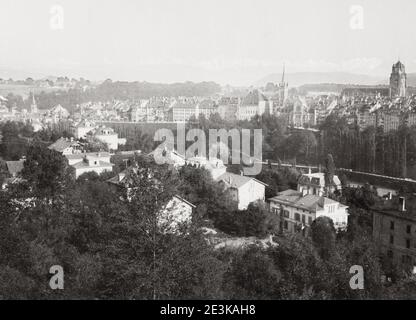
(233, 180)
(62, 143)
(308, 202)
(15, 167)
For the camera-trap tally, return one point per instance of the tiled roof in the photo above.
(61, 144)
(251, 99)
(88, 154)
(232, 180)
(309, 202)
(15, 167)
(85, 164)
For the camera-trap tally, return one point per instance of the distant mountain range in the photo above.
(341, 78)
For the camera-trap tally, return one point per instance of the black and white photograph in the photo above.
(224, 152)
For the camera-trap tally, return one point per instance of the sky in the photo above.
(232, 42)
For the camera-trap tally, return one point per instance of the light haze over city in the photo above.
(229, 42)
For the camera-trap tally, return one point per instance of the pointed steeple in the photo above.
(283, 75)
(33, 106)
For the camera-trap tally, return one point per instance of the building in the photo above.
(81, 129)
(139, 112)
(66, 146)
(215, 166)
(182, 110)
(296, 113)
(243, 190)
(33, 106)
(283, 90)
(365, 91)
(297, 211)
(254, 103)
(175, 213)
(14, 168)
(97, 162)
(206, 107)
(394, 230)
(228, 108)
(107, 136)
(164, 154)
(398, 80)
(314, 183)
(167, 155)
(57, 113)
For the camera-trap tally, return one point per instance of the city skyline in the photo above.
(234, 43)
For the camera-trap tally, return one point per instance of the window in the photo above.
(408, 243)
(391, 225)
(310, 220)
(303, 218)
(391, 239)
(408, 228)
(286, 213)
(297, 216)
(285, 225)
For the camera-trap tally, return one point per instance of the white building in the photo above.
(314, 183)
(298, 209)
(108, 136)
(255, 103)
(215, 166)
(243, 190)
(90, 162)
(81, 129)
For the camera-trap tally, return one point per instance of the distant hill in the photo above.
(16, 74)
(302, 78)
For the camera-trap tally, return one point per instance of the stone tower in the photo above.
(398, 80)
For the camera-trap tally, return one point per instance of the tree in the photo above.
(46, 171)
(323, 236)
(252, 275)
(329, 171)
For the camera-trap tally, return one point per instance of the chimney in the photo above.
(390, 195)
(309, 170)
(402, 204)
(241, 173)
